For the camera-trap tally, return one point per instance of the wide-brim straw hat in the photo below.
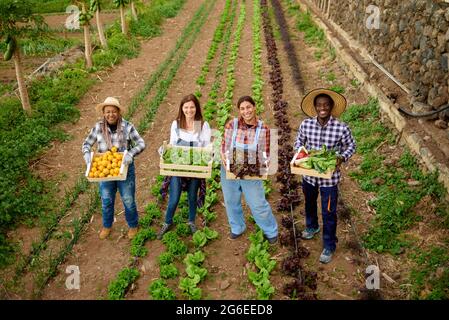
(308, 107)
(109, 101)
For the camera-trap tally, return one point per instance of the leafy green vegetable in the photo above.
(321, 160)
(165, 258)
(197, 258)
(186, 156)
(168, 271)
(189, 288)
(193, 270)
(159, 291)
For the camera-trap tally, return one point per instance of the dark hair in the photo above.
(182, 123)
(324, 95)
(247, 99)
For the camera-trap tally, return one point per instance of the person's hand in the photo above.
(127, 159)
(87, 158)
(340, 160)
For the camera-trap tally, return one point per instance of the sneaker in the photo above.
(132, 233)
(273, 240)
(233, 236)
(104, 233)
(164, 229)
(192, 226)
(309, 233)
(326, 256)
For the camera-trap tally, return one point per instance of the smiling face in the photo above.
(111, 114)
(323, 107)
(247, 111)
(189, 110)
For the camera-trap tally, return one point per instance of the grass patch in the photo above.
(395, 199)
(430, 277)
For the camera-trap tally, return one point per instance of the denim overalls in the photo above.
(254, 195)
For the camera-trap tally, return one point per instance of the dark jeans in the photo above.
(127, 190)
(174, 195)
(329, 197)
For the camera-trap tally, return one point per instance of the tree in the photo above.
(133, 10)
(85, 17)
(95, 6)
(17, 20)
(122, 4)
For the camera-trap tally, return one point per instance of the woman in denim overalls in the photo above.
(188, 129)
(237, 131)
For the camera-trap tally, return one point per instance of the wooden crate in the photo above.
(308, 172)
(121, 177)
(183, 170)
(231, 176)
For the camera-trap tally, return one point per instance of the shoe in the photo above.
(273, 240)
(326, 256)
(309, 233)
(104, 233)
(192, 226)
(164, 229)
(132, 232)
(233, 236)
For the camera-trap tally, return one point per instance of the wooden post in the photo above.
(23, 91)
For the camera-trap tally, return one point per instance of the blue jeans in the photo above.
(255, 198)
(174, 195)
(329, 197)
(127, 189)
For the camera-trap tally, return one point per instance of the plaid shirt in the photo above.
(246, 134)
(335, 135)
(132, 140)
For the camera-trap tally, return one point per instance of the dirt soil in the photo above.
(100, 261)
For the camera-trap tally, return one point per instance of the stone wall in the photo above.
(412, 41)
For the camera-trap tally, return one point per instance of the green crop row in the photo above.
(257, 85)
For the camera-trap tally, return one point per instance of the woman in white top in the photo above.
(189, 129)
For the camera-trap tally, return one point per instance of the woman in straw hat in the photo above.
(114, 132)
(323, 128)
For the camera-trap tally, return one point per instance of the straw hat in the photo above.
(109, 101)
(309, 109)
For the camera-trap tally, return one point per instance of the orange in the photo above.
(106, 171)
(114, 149)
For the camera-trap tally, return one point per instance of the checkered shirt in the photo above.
(246, 134)
(133, 142)
(335, 135)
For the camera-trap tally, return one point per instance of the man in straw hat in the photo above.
(115, 133)
(323, 128)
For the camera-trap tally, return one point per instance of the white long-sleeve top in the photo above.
(203, 138)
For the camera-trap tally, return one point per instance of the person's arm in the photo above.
(227, 139)
(89, 141)
(173, 135)
(139, 144)
(300, 138)
(205, 136)
(348, 144)
(267, 142)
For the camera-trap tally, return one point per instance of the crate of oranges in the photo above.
(107, 166)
